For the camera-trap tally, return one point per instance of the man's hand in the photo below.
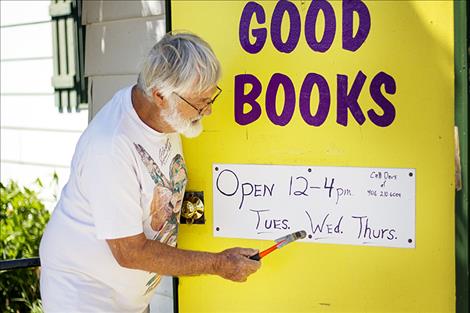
(234, 264)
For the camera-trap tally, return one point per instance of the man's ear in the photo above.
(157, 98)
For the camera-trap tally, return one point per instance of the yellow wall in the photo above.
(413, 43)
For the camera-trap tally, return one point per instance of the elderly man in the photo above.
(113, 232)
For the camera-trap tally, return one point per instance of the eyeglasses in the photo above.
(200, 110)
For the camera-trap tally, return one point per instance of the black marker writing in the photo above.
(269, 223)
(367, 232)
(226, 178)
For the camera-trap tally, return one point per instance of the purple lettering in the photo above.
(311, 23)
(294, 27)
(289, 99)
(375, 91)
(348, 101)
(241, 98)
(349, 7)
(250, 9)
(310, 81)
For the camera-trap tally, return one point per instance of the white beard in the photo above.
(188, 128)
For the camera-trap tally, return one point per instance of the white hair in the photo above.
(180, 62)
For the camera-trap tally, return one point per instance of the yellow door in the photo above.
(338, 84)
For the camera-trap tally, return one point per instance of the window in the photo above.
(68, 36)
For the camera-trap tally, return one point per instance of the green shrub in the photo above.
(22, 221)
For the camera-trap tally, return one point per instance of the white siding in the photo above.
(21, 12)
(119, 35)
(38, 112)
(26, 38)
(105, 11)
(117, 48)
(27, 76)
(102, 88)
(35, 140)
(32, 145)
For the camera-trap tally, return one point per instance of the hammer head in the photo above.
(291, 237)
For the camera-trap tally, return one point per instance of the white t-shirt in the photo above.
(125, 179)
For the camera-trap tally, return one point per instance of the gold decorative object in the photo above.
(192, 209)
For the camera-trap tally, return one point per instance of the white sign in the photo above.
(339, 205)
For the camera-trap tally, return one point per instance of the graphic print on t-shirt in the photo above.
(165, 207)
(164, 152)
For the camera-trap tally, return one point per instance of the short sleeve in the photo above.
(111, 186)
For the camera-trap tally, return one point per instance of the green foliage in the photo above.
(23, 218)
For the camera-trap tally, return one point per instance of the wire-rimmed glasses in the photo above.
(202, 109)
